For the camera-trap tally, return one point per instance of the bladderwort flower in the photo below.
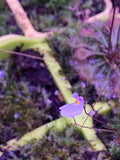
(73, 109)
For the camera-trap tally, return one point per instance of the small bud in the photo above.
(91, 113)
(16, 115)
(49, 101)
(83, 85)
(63, 78)
(1, 74)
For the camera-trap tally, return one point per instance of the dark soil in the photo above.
(36, 73)
(30, 98)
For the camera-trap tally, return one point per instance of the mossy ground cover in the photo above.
(28, 96)
(51, 14)
(56, 146)
(8, 23)
(45, 15)
(111, 140)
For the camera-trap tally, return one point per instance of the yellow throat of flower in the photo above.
(76, 102)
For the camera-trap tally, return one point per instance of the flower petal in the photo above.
(71, 110)
(80, 100)
(75, 95)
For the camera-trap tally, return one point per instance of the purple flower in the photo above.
(73, 109)
(83, 85)
(16, 115)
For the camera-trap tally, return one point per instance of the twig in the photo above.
(21, 54)
(97, 129)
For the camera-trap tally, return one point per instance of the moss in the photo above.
(57, 145)
(114, 151)
(48, 15)
(25, 104)
(7, 20)
(110, 139)
(63, 53)
(44, 15)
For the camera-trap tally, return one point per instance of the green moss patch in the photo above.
(28, 96)
(51, 14)
(56, 145)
